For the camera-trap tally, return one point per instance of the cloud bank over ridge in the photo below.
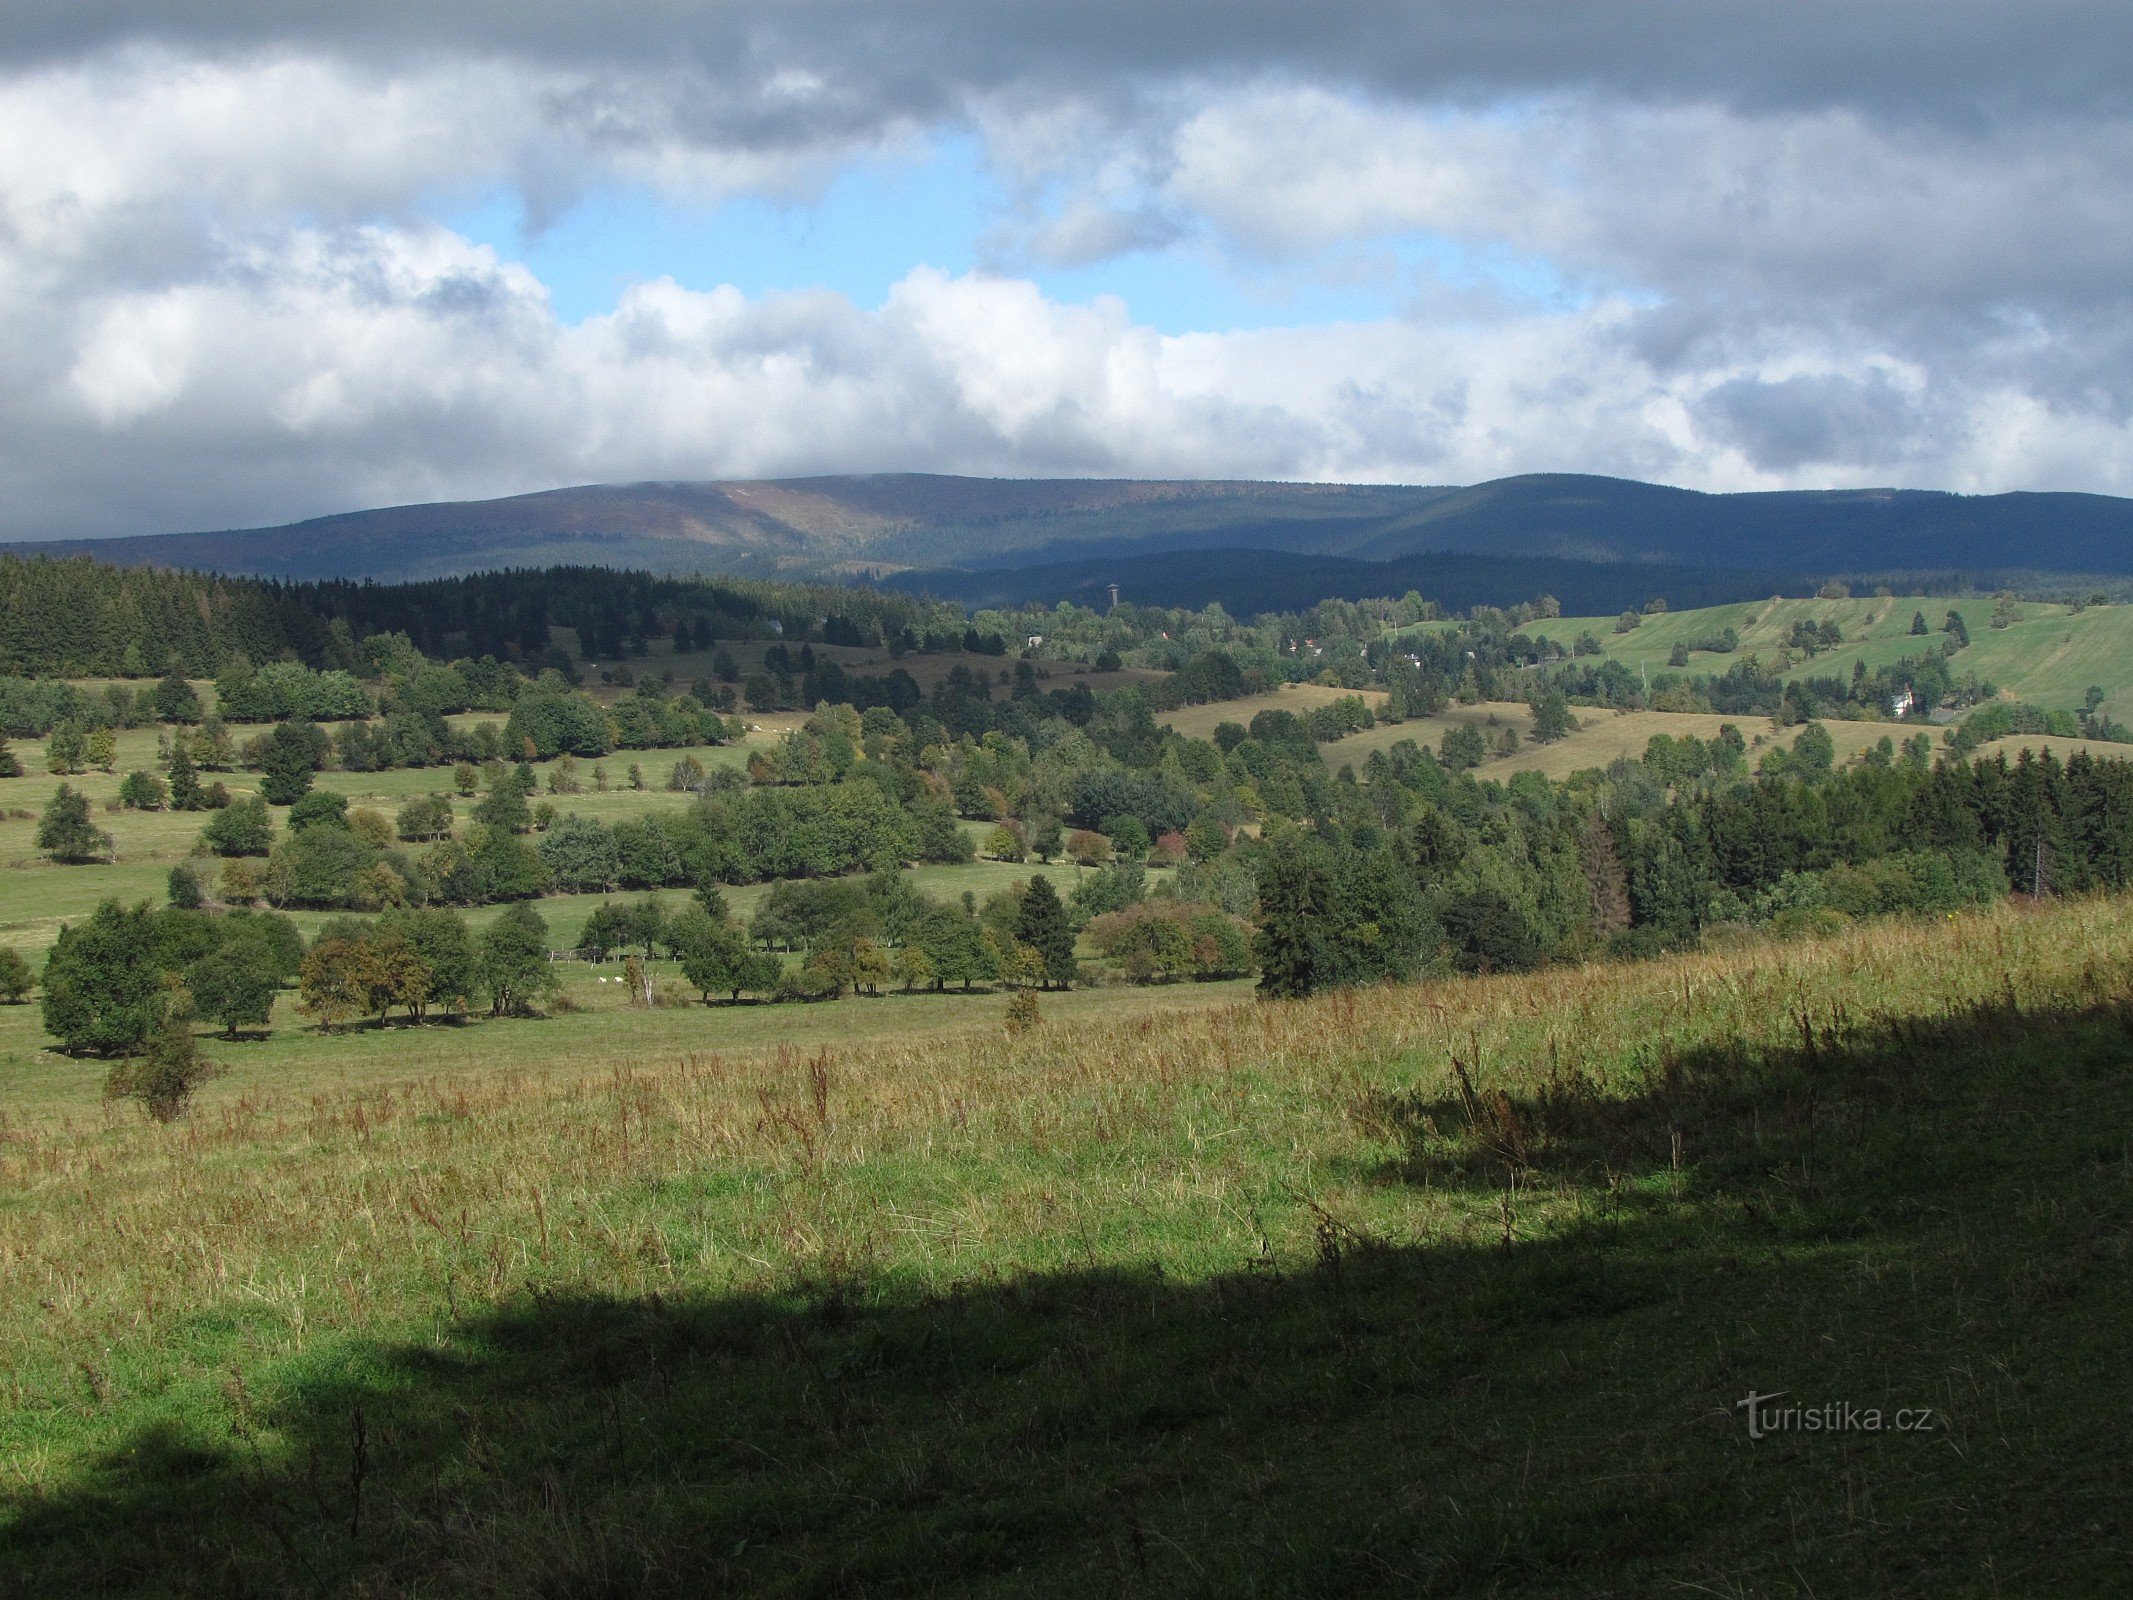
(1720, 245)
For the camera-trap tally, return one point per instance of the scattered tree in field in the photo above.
(1004, 843)
(647, 923)
(102, 986)
(512, 966)
(1046, 838)
(65, 832)
(242, 828)
(287, 763)
(234, 984)
(1464, 746)
(1295, 902)
(1551, 717)
(16, 979)
(336, 980)
(318, 808)
(1129, 837)
(10, 763)
(65, 750)
(424, 819)
(716, 957)
(102, 749)
(505, 808)
(1088, 849)
(871, 967)
(466, 778)
(914, 968)
(184, 887)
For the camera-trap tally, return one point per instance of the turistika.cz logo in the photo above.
(1766, 1417)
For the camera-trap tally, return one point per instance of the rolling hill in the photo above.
(956, 530)
(2046, 655)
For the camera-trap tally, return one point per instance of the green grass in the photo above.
(1449, 1289)
(2048, 657)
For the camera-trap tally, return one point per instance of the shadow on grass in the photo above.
(1544, 1416)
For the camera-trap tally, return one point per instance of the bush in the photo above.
(1023, 1012)
(142, 791)
(170, 1067)
(16, 979)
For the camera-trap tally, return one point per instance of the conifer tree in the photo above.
(185, 791)
(1295, 903)
(1042, 925)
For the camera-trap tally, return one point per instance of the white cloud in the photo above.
(226, 298)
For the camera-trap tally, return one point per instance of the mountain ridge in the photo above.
(882, 524)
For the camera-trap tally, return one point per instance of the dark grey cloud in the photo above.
(1940, 58)
(1824, 420)
(1741, 244)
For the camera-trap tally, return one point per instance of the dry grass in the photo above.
(334, 1209)
(1332, 1229)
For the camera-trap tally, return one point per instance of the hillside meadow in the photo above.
(1442, 1288)
(2048, 655)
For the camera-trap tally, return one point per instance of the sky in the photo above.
(260, 261)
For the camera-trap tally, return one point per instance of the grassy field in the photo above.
(1449, 1289)
(2047, 657)
(1600, 737)
(1200, 722)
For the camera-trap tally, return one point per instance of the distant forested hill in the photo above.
(1246, 583)
(876, 526)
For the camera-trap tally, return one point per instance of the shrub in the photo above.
(1023, 1012)
(185, 890)
(1088, 849)
(169, 1068)
(16, 979)
(142, 791)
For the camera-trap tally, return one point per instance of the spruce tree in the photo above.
(288, 764)
(174, 700)
(185, 792)
(1042, 925)
(1295, 904)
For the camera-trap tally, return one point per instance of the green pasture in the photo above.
(2049, 656)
